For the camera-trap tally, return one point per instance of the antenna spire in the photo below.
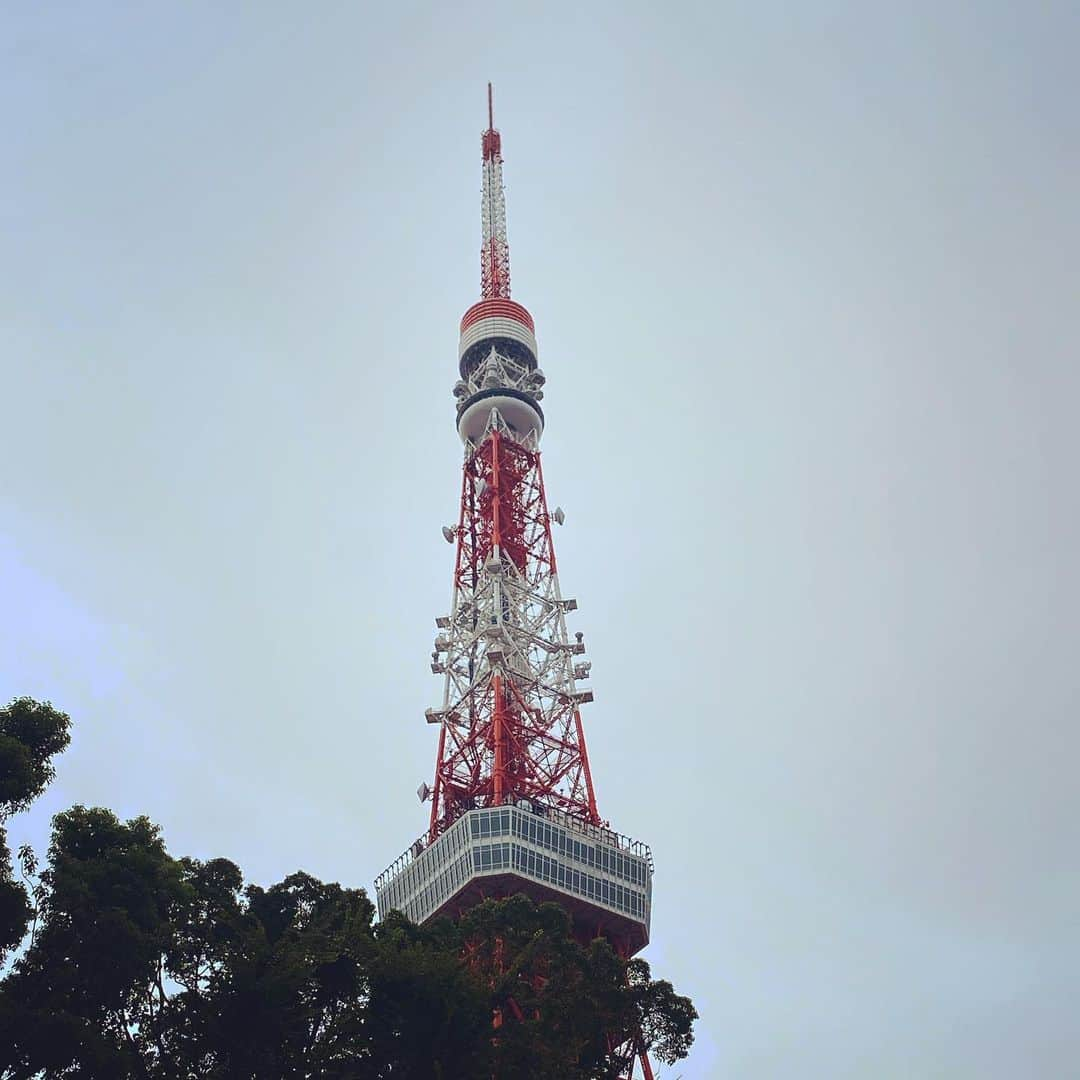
(495, 249)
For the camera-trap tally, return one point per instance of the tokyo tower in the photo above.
(513, 809)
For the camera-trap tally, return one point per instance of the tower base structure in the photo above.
(601, 878)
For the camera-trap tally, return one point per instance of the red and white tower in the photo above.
(513, 808)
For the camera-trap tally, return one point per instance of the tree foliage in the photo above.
(31, 735)
(146, 966)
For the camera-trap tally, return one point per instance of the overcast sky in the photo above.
(805, 280)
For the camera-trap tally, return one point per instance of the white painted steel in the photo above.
(497, 327)
(592, 864)
(493, 225)
(498, 372)
(519, 416)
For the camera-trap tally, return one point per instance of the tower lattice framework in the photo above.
(510, 719)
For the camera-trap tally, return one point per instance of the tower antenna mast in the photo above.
(495, 248)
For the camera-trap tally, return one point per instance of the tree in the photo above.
(31, 735)
(78, 1002)
(569, 1011)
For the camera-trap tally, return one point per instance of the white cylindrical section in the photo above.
(496, 328)
(518, 414)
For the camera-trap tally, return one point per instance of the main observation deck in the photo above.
(602, 879)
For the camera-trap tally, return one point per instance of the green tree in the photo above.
(428, 1014)
(78, 1002)
(31, 735)
(570, 1011)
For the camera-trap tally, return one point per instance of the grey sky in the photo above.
(805, 281)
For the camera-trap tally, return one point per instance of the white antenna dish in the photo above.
(448, 534)
(423, 792)
(559, 517)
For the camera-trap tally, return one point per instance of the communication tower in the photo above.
(513, 808)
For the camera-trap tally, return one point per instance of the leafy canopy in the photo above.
(31, 735)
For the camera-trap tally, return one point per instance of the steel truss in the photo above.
(511, 720)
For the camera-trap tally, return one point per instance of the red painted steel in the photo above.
(508, 747)
(497, 308)
(495, 253)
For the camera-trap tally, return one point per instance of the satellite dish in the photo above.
(422, 792)
(448, 534)
(559, 516)
(481, 486)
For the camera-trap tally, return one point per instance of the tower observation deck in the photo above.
(513, 808)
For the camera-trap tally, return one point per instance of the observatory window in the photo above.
(491, 857)
(544, 868)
